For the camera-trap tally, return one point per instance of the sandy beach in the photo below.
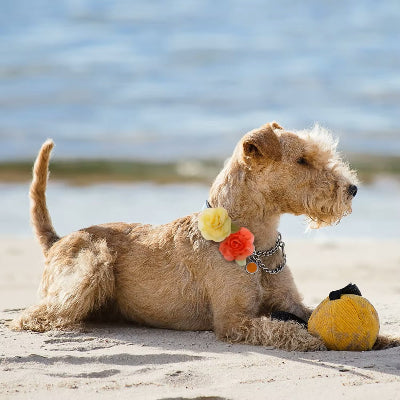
(126, 361)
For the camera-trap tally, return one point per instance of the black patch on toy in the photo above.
(286, 316)
(349, 289)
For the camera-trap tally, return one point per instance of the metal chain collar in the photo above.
(257, 254)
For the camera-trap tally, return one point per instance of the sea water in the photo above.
(376, 210)
(184, 79)
(175, 79)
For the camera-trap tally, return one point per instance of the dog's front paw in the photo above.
(299, 339)
(385, 342)
(315, 345)
(307, 342)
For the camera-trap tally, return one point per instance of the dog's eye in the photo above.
(302, 161)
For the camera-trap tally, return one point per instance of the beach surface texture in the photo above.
(128, 361)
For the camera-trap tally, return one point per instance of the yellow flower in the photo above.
(215, 224)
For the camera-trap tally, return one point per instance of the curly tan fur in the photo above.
(40, 216)
(168, 276)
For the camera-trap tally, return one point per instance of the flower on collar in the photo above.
(215, 224)
(238, 246)
(236, 243)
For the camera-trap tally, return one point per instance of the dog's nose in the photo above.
(352, 190)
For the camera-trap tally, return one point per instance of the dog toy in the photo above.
(345, 321)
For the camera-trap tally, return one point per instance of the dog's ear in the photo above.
(263, 143)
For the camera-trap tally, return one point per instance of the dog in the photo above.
(170, 276)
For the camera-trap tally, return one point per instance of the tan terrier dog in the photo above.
(169, 276)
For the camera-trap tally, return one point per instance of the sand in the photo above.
(123, 361)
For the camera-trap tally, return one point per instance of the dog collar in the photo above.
(254, 261)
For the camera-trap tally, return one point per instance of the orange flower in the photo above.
(237, 246)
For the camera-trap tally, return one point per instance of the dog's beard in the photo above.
(324, 211)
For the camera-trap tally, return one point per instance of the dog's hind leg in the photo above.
(78, 279)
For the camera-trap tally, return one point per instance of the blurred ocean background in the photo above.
(181, 81)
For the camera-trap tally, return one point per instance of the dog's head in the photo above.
(297, 173)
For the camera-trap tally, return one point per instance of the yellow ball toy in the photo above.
(345, 321)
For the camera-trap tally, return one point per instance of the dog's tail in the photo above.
(40, 216)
